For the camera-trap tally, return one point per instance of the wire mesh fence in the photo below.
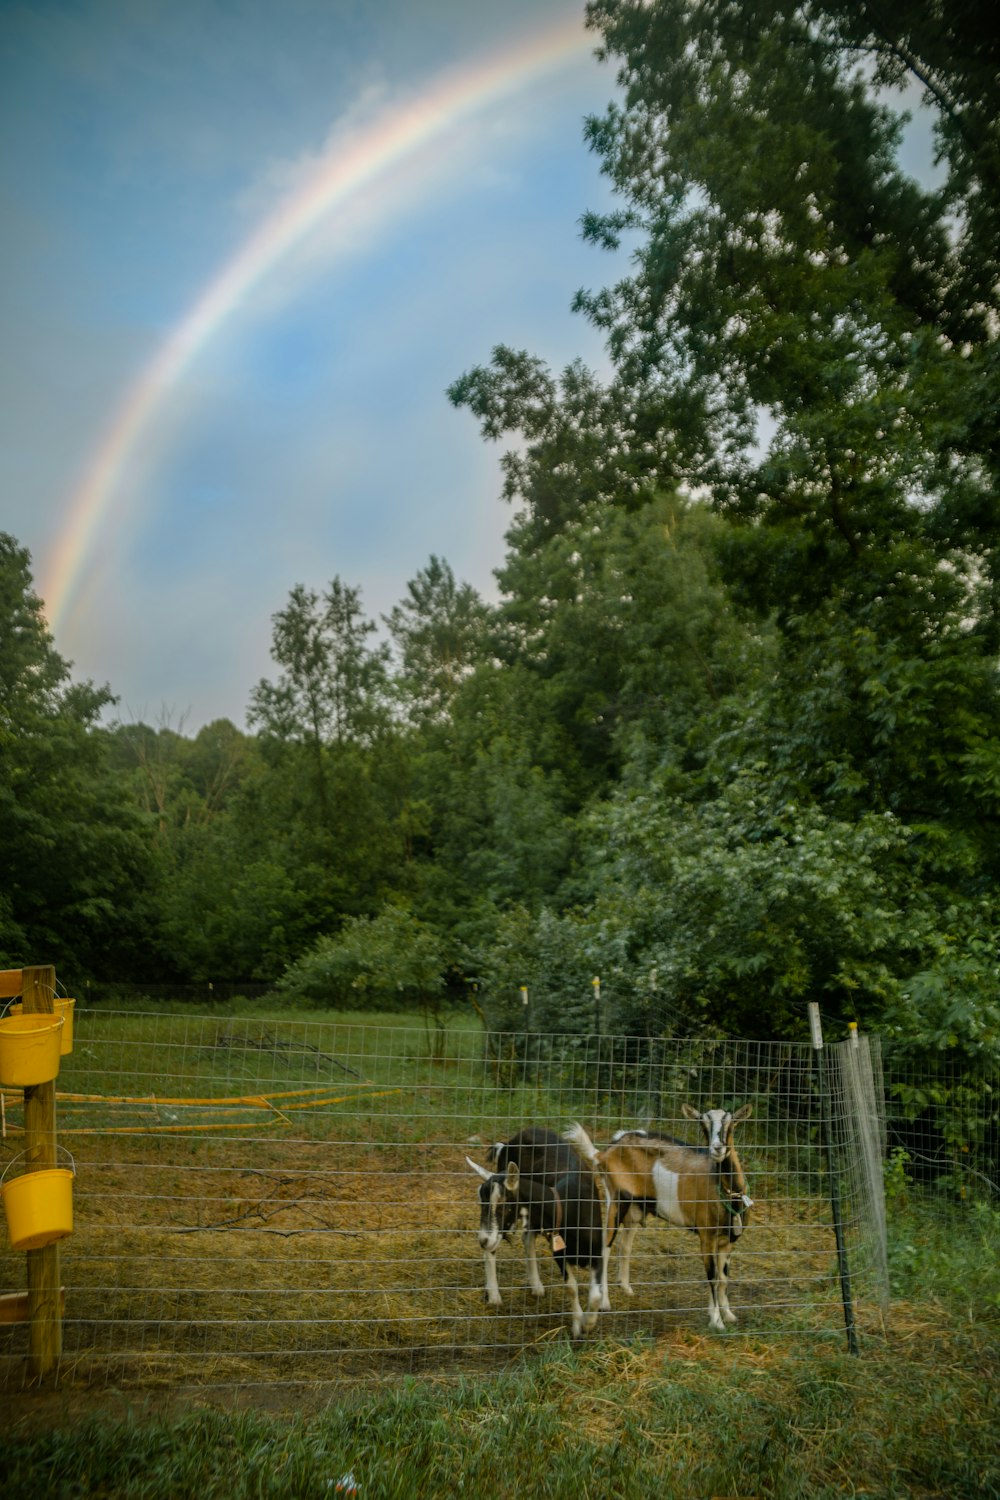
(943, 1128)
(290, 1200)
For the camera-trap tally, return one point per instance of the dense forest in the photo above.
(729, 738)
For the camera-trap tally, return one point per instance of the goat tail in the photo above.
(580, 1140)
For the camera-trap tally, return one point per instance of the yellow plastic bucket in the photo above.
(29, 1049)
(63, 1008)
(38, 1205)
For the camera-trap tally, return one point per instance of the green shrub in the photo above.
(392, 961)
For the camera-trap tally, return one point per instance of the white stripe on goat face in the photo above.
(497, 1207)
(718, 1127)
(491, 1197)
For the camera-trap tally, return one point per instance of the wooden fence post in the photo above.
(44, 1310)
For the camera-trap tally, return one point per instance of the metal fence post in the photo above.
(826, 1115)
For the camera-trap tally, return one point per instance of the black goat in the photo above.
(540, 1184)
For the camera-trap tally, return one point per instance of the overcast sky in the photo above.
(143, 144)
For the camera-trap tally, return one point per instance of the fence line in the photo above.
(289, 1199)
(858, 1079)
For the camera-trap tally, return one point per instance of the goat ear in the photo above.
(479, 1171)
(513, 1177)
(743, 1114)
(689, 1112)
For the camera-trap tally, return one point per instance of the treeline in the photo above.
(729, 739)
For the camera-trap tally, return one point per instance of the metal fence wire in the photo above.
(265, 1200)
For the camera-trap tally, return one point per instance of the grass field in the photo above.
(684, 1415)
(246, 1315)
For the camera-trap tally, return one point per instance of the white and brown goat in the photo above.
(701, 1188)
(540, 1185)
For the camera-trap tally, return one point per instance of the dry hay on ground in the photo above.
(332, 1261)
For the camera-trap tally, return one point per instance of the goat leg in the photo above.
(492, 1286)
(535, 1283)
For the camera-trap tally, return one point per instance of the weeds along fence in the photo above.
(289, 1199)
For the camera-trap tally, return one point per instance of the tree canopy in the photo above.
(729, 736)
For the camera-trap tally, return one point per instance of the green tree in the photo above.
(747, 904)
(76, 873)
(804, 804)
(336, 791)
(795, 285)
(439, 634)
(389, 961)
(331, 689)
(612, 598)
(230, 903)
(951, 53)
(536, 972)
(497, 826)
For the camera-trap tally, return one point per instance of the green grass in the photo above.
(241, 1050)
(780, 1413)
(684, 1416)
(171, 1052)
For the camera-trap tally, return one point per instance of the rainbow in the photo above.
(396, 135)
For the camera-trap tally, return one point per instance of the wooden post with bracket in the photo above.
(38, 994)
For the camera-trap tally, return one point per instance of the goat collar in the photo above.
(734, 1200)
(555, 1237)
(735, 1203)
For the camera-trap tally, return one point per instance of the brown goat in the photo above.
(701, 1188)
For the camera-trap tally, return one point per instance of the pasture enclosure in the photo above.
(281, 1198)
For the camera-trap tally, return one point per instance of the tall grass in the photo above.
(683, 1416)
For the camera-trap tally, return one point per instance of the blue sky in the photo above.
(141, 142)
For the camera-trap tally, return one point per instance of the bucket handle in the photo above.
(55, 1021)
(16, 1158)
